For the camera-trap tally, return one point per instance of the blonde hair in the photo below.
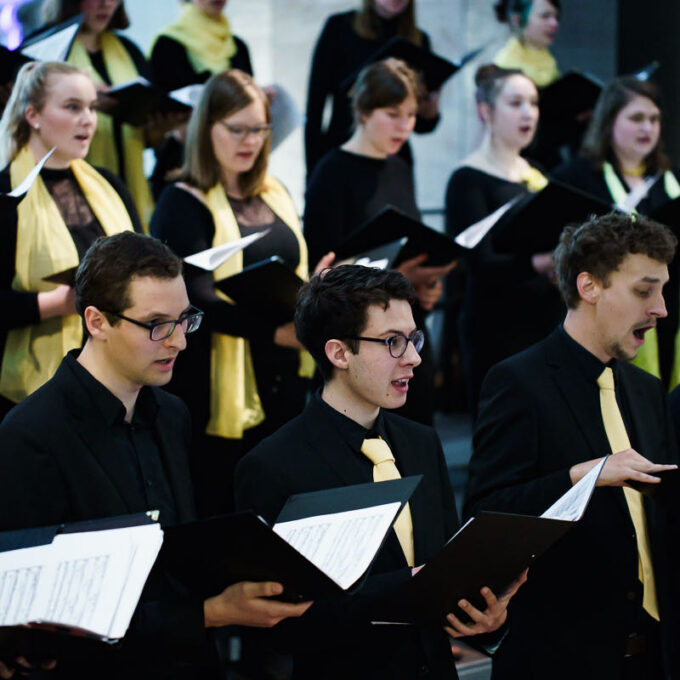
(223, 95)
(30, 89)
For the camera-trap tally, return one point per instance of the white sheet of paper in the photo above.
(27, 182)
(188, 95)
(470, 237)
(341, 544)
(572, 505)
(53, 48)
(376, 264)
(139, 80)
(212, 258)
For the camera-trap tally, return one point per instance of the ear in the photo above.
(96, 322)
(32, 116)
(589, 288)
(484, 112)
(336, 353)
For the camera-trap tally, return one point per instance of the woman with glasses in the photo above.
(242, 379)
(70, 204)
(352, 184)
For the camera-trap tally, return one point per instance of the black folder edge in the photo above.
(52, 641)
(442, 251)
(390, 251)
(65, 277)
(553, 110)
(193, 554)
(135, 101)
(448, 577)
(665, 492)
(44, 33)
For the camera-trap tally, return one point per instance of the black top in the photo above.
(97, 59)
(171, 68)
(339, 52)
(135, 440)
(346, 190)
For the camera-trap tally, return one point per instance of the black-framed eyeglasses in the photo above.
(161, 330)
(240, 132)
(398, 343)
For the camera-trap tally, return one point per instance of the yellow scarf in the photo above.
(538, 64)
(121, 69)
(647, 357)
(45, 247)
(534, 179)
(235, 405)
(208, 42)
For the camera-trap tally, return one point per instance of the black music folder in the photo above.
(270, 285)
(491, 549)
(69, 586)
(668, 214)
(666, 492)
(567, 97)
(434, 69)
(391, 224)
(382, 257)
(138, 99)
(211, 554)
(535, 223)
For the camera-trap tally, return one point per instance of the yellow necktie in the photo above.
(618, 440)
(379, 453)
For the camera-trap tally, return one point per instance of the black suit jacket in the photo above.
(335, 639)
(539, 416)
(58, 465)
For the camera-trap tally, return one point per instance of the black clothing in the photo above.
(539, 415)
(320, 450)
(63, 460)
(507, 305)
(582, 174)
(339, 52)
(345, 190)
(171, 68)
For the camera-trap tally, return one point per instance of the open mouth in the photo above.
(639, 333)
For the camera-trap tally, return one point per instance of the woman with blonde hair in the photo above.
(53, 105)
(246, 376)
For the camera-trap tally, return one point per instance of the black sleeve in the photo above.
(466, 202)
(122, 190)
(425, 125)
(185, 224)
(141, 64)
(325, 216)
(170, 65)
(321, 85)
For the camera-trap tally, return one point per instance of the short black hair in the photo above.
(111, 263)
(600, 245)
(334, 304)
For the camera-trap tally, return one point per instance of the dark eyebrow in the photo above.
(651, 279)
(394, 331)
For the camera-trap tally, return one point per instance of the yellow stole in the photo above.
(534, 180)
(235, 405)
(538, 64)
(45, 247)
(208, 42)
(647, 357)
(121, 69)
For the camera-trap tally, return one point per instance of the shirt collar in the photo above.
(589, 365)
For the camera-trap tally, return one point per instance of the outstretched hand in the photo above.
(619, 468)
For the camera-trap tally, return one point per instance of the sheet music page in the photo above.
(341, 544)
(53, 48)
(572, 505)
(27, 182)
(212, 258)
(189, 95)
(470, 237)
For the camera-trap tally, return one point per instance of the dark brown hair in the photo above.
(367, 23)
(223, 95)
(601, 244)
(597, 142)
(62, 10)
(505, 9)
(489, 81)
(334, 304)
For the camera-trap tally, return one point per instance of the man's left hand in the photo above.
(492, 618)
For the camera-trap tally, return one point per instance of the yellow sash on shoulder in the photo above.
(121, 69)
(235, 405)
(208, 42)
(537, 64)
(45, 247)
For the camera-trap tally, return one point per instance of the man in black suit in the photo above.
(600, 603)
(358, 325)
(101, 439)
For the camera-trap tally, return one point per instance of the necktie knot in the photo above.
(606, 379)
(377, 451)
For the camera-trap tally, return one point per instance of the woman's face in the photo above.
(213, 8)
(542, 24)
(388, 9)
(237, 140)
(67, 119)
(384, 131)
(637, 129)
(514, 117)
(98, 13)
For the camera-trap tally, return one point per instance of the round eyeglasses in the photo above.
(161, 330)
(398, 343)
(240, 132)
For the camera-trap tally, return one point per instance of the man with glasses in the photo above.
(358, 325)
(100, 439)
